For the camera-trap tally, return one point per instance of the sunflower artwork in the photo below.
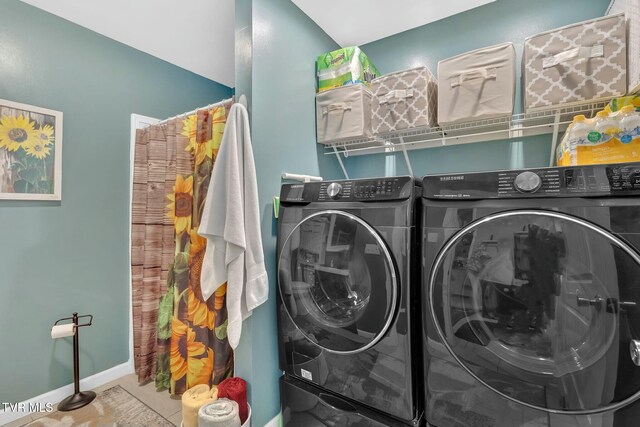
(30, 152)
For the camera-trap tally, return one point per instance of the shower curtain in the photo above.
(179, 339)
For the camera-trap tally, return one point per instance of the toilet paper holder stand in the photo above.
(79, 398)
(75, 318)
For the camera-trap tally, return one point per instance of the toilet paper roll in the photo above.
(61, 331)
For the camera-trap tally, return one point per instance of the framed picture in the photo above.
(30, 152)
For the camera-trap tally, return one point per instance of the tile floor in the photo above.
(159, 401)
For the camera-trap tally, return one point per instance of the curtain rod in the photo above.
(224, 101)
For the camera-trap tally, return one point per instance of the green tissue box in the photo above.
(343, 67)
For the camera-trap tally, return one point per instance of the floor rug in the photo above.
(113, 407)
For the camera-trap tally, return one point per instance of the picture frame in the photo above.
(30, 152)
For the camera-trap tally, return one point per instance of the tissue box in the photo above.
(477, 85)
(405, 99)
(631, 8)
(343, 67)
(576, 64)
(343, 113)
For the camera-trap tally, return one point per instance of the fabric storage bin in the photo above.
(343, 112)
(577, 63)
(631, 8)
(477, 85)
(404, 99)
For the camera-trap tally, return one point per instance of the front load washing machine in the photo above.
(348, 314)
(531, 297)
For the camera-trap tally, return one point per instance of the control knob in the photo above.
(527, 182)
(334, 189)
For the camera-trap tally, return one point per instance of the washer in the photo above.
(532, 286)
(348, 314)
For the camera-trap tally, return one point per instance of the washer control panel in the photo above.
(377, 189)
(576, 181)
(624, 177)
(334, 189)
(518, 183)
(527, 182)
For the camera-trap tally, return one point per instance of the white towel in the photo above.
(221, 413)
(231, 224)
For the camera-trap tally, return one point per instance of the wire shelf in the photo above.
(549, 121)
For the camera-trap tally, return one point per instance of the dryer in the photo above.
(348, 314)
(532, 293)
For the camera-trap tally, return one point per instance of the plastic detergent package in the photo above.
(613, 151)
(610, 137)
(562, 152)
(616, 104)
(343, 67)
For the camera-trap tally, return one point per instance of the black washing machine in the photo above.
(348, 319)
(306, 405)
(532, 293)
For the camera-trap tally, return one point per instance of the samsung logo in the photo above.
(452, 178)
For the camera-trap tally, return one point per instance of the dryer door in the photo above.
(542, 308)
(338, 282)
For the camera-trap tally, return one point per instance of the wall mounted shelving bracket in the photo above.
(543, 122)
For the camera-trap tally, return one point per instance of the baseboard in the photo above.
(275, 422)
(55, 396)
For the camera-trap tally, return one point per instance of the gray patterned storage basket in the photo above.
(405, 99)
(577, 63)
(631, 8)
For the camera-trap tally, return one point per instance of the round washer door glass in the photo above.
(541, 307)
(337, 281)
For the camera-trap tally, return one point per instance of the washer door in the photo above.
(338, 282)
(537, 306)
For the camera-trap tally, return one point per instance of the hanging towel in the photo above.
(235, 388)
(193, 399)
(231, 224)
(221, 413)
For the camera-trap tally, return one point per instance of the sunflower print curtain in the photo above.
(192, 333)
(173, 163)
(159, 155)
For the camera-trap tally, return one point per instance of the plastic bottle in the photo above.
(563, 148)
(605, 127)
(629, 124)
(559, 154)
(578, 136)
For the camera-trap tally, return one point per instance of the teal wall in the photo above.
(501, 21)
(243, 75)
(284, 45)
(243, 48)
(60, 257)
